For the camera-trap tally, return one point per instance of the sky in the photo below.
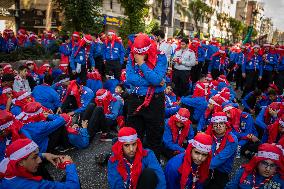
(275, 10)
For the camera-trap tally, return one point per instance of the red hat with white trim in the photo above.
(32, 112)
(216, 100)
(219, 117)
(127, 134)
(21, 95)
(6, 119)
(76, 34)
(182, 115)
(202, 142)
(265, 152)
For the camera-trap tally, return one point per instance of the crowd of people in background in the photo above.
(194, 103)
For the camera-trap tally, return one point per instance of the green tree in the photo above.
(81, 15)
(237, 28)
(136, 11)
(200, 12)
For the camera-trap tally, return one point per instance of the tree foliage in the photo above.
(237, 28)
(135, 10)
(200, 12)
(80, 15)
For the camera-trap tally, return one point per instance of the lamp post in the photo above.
(167, 9)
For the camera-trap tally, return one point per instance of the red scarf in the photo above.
(185, 169)
(227, 137)
(267, 116)
(105, 103)
(273, 131)
(222, 57)
(136, 169)
(194, 47)
(76, 90)
(33, 119)
(175, 130)
(235, 119)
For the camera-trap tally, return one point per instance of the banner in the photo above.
(167, 13)
(110, 20)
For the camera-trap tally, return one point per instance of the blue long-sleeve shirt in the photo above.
(248, 182)
(173, 176)
(215, 64)
(98, 49)
(201, 54)
(86, 98)
(224, 160)
(39, 131)
(66, 49)
(280, 65)
(150, 161)
(72, 181)
(211, 49)
(247, 127)
(115, 53)
(272, 62)
(199, 105)
(168, 138)
(82, 56)
(94, 85)
(80, 140)
(110, 85)
(116, 108)
(47, 97)
(254, 64)
(139, 84)
(3, 145)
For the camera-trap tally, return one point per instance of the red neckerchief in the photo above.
(226, 137)
(182, 134)
(105, 103)
(136, 165)
(273, 131)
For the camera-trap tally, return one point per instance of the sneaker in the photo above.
(106, 137)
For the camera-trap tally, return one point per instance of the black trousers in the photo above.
(148, 121)
(97, 120)
(218, 180)
(280, 81)
(148, 179)
(196, 72)
(216, 73)
(205, 67)
(251, 81)
(113, 66)
(180, 79)
(58, 138)
(267, 78)
(82, 75)
(100, 65)
(239, 78)
(69, 104)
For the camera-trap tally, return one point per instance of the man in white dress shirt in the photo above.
(184, 59)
